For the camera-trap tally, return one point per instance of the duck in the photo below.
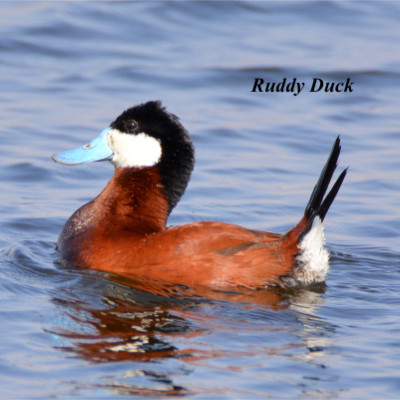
(124, 230)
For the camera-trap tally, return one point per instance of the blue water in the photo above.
(69, 68)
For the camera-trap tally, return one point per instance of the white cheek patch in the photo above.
(132, 150)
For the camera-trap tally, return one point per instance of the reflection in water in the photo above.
(123, 323)
(315, 338)
(163, 385)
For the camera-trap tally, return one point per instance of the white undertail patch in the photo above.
(134, 150)
(312, 262)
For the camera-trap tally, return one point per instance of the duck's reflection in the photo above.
(133, 323)
(145, 323)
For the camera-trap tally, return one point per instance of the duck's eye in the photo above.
(131, 126)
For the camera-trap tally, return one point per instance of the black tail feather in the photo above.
(317, 205)
(323, 209)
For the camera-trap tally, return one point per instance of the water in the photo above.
(69, 68)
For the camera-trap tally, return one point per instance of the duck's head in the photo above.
(144, 136)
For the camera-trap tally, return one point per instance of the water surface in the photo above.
(69, 68)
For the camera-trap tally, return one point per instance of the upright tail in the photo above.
(312, 259)
(318, 205)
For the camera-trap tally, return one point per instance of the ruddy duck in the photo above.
(124, 229)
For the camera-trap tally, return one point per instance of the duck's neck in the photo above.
(133, 201)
